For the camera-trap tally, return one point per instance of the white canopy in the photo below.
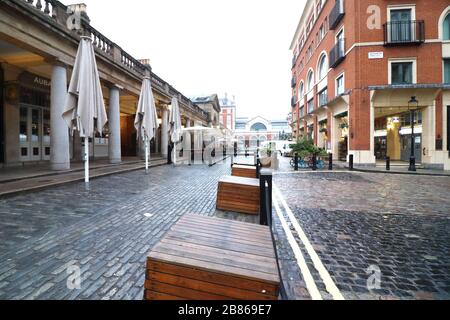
(84, 101)
(175, 122)
(146, 121)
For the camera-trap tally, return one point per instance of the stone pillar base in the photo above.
(362, 157)
(115, 161)
(60, 166)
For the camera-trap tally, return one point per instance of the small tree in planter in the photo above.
(306, 148)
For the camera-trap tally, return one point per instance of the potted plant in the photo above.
(343, 126)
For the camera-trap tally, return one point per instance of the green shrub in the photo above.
(305, 148)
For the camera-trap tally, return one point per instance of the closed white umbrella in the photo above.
(84, 101)
(175, 126)
(146, 121)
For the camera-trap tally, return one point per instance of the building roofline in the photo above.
(301, 22)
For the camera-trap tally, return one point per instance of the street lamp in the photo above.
(413, 105)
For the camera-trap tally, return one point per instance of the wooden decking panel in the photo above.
(210, 259)
(238, 194)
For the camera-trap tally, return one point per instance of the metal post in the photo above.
(314, 164)
(330, 161)
(388, 163)
(265, 184)
(86, 160)
(412, 160)
(296, 162)
(351, 162)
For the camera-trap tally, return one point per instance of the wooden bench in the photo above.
(244, 171)
(204, 258)
(238, 194)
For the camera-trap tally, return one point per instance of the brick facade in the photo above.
(363, 27)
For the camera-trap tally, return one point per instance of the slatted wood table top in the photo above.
(240, 180)
(224, 247)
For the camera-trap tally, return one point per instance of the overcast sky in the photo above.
(210, 46)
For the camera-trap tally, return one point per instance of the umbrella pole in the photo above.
(174, 154)
(146, 154)
(86, 160)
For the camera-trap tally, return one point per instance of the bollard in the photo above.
(330, 161)
(350, 162)
(296, 162)
(314, 163)
(265, 185)
(388, 163)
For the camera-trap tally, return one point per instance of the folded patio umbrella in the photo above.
(146, 122)
(175, 126)
(84, 102)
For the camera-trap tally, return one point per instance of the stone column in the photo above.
(60, 154)
(165, 133)
(114, 146)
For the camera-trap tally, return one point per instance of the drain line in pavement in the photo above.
(326, 278)
(309, 280)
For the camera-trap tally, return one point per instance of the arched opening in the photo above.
(322, 67)
(258, 127)
(301, 91)
(310, 81)
(446, 27)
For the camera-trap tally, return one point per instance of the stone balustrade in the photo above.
(108, 49)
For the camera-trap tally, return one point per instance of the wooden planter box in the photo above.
(244, 171)
(238, 194)
(213, 259)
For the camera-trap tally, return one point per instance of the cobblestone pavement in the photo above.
(106, 231)
(398, 223)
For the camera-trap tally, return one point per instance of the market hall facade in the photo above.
(37, 53)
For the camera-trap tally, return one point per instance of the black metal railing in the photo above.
(337, 54)
(336, 14)
(293, 101)
(404, 32)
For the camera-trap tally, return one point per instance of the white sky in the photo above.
(210, 46)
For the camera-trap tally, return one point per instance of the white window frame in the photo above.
(324, 56)
(402, 60)
(394, 7)
(441, 24)
(342, 75)
(301, 95)
(342, 29)
(308, 90)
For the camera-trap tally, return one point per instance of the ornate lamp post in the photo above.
(413, 105)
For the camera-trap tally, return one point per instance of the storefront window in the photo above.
(23, 125)
(46, 126)
(35, 114)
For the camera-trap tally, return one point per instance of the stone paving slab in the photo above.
(107, 231)
(45, 181)
(399, 224)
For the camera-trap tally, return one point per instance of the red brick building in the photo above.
(228, 113)
(356, 66)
